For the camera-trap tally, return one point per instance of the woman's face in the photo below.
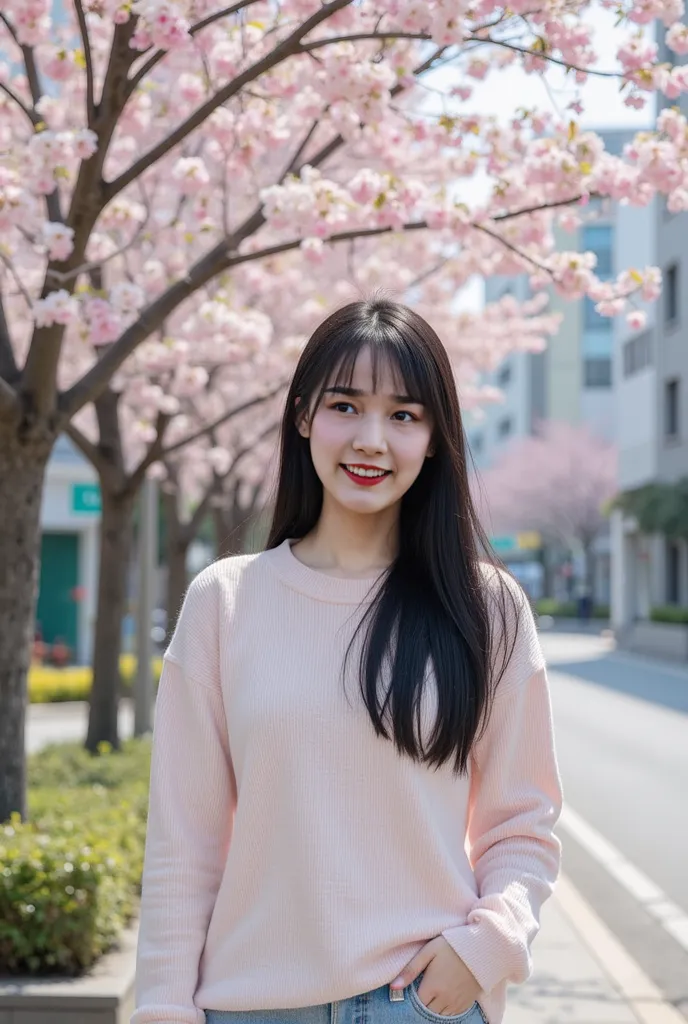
(368, 448)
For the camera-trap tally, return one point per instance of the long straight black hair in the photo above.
(446, 600)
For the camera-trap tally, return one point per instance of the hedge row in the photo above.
(567, 609)
(70, 876)
(51, 685)
(669, 613)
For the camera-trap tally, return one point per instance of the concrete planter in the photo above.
(659, 639)
(103, 996)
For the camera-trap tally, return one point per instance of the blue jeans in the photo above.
(376, 1007)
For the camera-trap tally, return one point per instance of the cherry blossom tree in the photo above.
(558, 482)
(226, 475)
(137, 171)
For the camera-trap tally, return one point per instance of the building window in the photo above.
(671, 418)
(504, 376)
(637, 354)
(671, 294)
(598, 239)
(592, 319)
(673, 572)
(597, 372)
(504, 428)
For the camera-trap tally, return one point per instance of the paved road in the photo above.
(622, 739)
(60, 723)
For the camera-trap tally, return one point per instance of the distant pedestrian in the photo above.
(354, 784)
(584, 602)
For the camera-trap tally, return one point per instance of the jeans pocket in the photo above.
(473, 1015)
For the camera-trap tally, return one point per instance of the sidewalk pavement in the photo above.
(582, 974)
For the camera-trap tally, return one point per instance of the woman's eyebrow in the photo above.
(358, 393)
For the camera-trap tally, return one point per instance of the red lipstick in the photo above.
(365, 481)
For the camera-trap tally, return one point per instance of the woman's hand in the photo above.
(448, 987)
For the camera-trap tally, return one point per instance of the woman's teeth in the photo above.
(365, 472)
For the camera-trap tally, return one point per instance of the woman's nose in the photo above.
(370, 436)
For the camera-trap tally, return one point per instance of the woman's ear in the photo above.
(302, 424)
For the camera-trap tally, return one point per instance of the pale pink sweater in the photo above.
(294, 858)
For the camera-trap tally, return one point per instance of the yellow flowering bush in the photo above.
(48, 684)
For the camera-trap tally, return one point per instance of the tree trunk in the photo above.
(176, 550)
(176, 581)
(22, 471)
(230, 532)
(116, 529)
(589, 564)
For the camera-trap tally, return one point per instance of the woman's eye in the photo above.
(342, 406)
(404, 412)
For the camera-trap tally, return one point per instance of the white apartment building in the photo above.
(652, 368)
(574, 379)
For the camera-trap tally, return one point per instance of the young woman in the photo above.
(354, 783)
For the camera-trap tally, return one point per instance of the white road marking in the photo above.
(673, 919)
(643, 997)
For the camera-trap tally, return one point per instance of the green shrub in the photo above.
(70, 876)
(567, 609)
(669, 613)
(71, 765)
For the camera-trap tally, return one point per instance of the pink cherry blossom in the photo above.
(57, 308)
(102, 321)
(636, 319)
(58, 239)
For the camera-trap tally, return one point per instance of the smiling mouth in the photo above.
(366, 477)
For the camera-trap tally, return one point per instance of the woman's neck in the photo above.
(344, 546)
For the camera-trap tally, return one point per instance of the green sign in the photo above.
(529, 540)
(503, 544)
(86, 498)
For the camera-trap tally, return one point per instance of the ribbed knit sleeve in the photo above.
(514, 802)
(192, 800)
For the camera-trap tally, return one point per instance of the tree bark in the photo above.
(178, 541)
(231, 528)
(22, 472)
(116, 531)
(176, 582)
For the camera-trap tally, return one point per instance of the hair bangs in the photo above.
(390, 348)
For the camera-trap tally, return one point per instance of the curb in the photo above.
(644, 999)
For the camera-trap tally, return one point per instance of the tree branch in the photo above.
(8, 365)
(157, 57)
(209, 427)
(541, 206)
(153, 454)
(32, 74)
(86, 447)
(294, 162)
(316, 44)
(9, 401)
(287, 48)
(17, 280)
(544, 56)
(10, 28)
(83, 28)
(248, 448)
(86, 268)
(190, 529)
(344, 236)
(33, 117)
(512, 248)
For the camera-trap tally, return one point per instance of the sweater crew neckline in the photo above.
(316, 584)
